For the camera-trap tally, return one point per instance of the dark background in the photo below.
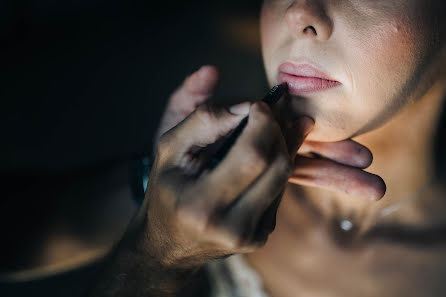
(85, 82)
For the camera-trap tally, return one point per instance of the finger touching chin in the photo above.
(347, 152)
(329, 175)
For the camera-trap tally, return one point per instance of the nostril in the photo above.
(310, 28)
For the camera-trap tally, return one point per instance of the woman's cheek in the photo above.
(384, 61)
(266, 30)
(274, 37)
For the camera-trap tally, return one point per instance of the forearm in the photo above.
(134, 269)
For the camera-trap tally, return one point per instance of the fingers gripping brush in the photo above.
(271, 98)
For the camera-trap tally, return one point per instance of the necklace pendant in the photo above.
(344, 232)
(346, 225)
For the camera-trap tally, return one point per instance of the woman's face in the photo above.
(349, 64)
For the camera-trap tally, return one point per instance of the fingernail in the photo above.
(240, 109)
(305, 123)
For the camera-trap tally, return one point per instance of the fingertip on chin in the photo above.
(362, 162)
(366, 157)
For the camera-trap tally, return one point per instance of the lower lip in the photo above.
(298, 85)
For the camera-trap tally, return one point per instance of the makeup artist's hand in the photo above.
(195, 215)
(338, 166)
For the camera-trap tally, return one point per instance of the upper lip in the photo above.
(304, 70)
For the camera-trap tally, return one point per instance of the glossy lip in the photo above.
(304, 78)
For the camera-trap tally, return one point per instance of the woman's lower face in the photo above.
(352, 64)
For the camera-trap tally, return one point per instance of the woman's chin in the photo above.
(328, 135)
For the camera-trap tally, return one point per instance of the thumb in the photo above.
(296, 132)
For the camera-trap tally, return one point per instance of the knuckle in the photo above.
(284, 164)
(255, 161)
(261, 115)
(191, 218)
(235, 242)
(265, 122)
(230, 238)
(204, 112)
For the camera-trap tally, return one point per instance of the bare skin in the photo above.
(306, 253)
(391, 108)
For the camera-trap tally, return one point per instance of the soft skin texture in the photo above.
(376, 49)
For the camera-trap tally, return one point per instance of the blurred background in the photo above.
(85, 81)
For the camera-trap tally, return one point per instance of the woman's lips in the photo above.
(304, 78)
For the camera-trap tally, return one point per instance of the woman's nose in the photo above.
(308, 18)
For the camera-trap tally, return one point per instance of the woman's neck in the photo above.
(404, 148)
(403, 155)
